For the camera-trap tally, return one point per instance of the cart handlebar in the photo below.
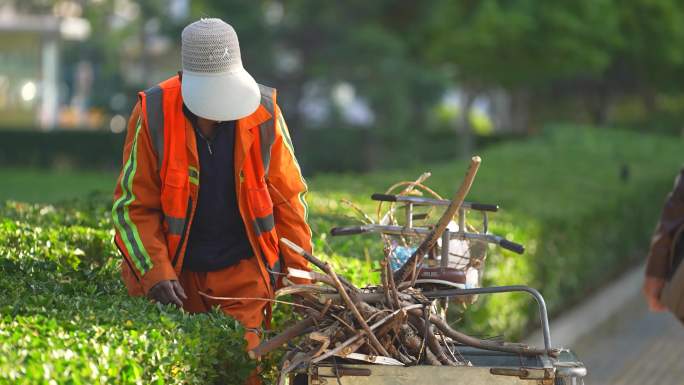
(348, 230)
(433, 202)
(512, 246)
(421, 231)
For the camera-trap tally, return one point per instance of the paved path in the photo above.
(634, 347)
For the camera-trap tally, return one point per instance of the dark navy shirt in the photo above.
(217, 236)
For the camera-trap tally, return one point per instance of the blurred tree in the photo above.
(521, 45)
(651, 60)
(302, 43)
(391, 61)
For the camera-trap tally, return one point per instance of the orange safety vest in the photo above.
(173, 185)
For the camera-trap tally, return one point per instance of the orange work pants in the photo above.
(243, 280)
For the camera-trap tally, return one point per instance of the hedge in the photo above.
(61, 149)
(583, 201)
(322, 150)
(65, 316)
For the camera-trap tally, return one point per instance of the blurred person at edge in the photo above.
(659, 265)
(209, 183)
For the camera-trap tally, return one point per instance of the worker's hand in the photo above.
(168, 291)
(652, 289)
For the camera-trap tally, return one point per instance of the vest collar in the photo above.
(255, 119)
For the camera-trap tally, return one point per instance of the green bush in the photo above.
(60, 148)
(321, 150)
(52, 186)
(65, 316)
(562, 195)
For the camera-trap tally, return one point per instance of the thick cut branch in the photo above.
(297, 289)
(465, 339)
(432, 341)
(374, 298)
(315, 261)
(288, 334)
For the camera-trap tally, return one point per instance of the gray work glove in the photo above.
(168, 291)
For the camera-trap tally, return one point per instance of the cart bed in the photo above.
(489, 368)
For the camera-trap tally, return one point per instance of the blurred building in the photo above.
(29, 65)
(61, 69)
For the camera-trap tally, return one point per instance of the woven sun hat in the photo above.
(215, 85)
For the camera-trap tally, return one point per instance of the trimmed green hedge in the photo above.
(64, 314)
(321, 150)
(61, 149)
(562, 194)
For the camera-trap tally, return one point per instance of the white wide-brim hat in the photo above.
(227, 96)
(215, 85)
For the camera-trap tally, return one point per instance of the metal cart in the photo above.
(443, 278)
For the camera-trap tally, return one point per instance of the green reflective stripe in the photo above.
(288, 143)
(175, 224)
(263, 224)
(302, 199)
(128, 229)
(193, 175)
(120, 211)
(193, 171)
(286, 135)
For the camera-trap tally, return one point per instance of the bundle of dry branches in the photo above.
(392, 323)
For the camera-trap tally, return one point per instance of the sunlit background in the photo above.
(375, 76)
(577, 108)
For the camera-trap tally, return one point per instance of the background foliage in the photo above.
(527, 63)
(326, 151)
(396, 87)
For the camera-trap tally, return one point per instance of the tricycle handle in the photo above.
(432, 202)
(512, 246)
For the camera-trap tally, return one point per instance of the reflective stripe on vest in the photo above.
(120, 211)
(175, 224)
(267, 129)
(263, 224)
(155, 120)
(193, 175)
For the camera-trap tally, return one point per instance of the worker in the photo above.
(666, 248)
(209, 183)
